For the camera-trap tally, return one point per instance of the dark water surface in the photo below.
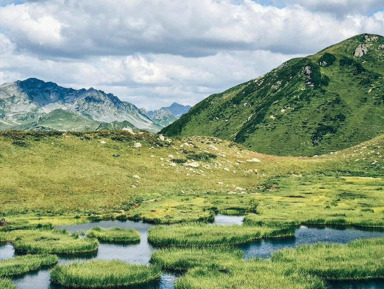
(141, 253)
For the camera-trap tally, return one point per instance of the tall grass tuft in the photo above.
(200, 235)
(187, 258)
(255, 274)
(115, 235)
(51, 242)
(6, 284)
(361, 259)
(23, 264)
(103, 274)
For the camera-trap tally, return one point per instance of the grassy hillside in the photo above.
(308, 106)
(143, 176)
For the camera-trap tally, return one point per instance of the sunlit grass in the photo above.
(197, 235)
(103, 274)
(114, 235)
(23, 264)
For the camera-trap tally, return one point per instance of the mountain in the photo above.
(32, 102)
(307, 106)
(167, 115)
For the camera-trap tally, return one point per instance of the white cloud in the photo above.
(155, 52)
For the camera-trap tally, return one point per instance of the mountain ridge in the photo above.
(26, 101)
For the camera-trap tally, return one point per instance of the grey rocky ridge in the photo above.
(35, 104)
(167, 115)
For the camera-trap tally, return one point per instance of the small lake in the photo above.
(141, 253)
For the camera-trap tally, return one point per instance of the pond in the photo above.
(141, 253)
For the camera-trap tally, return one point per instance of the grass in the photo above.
(198, 235)
(114, 235)
(50, 242)
(361, 259)
(6, 284)
(321, 200)
(103, 274)
(132, 186)
(184, 259)
(23, 264)
(256, 274)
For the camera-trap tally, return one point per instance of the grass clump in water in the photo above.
(23, 264)
(115, 235)
(361, 259)
(185, 259)
(6, 284)
(103, 274)
(200, 235)
(255, 274)
(51, 242)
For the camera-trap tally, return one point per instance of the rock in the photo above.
(381, 46)
(192, 164)
(361, 50)
(307, 70)
(128, 129)
(171, 156)
(172, 164)
(254, 160)
(137, 145)
(103, 142)
(136, 177)
(161, 137)
(226, 169)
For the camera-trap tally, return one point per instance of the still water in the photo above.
(141, 253)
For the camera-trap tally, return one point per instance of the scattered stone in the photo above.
(172, 164)
(361, 50)
(226, 169)
(136, 177)
(192, 164)
(128, 129)
(381, 46)
(137, 145)
(171, 156)
(254, 160)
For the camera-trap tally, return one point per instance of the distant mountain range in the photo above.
(307, 106)
(33, 104)
(167, 115)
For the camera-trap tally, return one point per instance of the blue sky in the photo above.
(154, 52)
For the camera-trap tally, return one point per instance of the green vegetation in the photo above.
(184, 259)
(50, 242)
(71, 178)
(114, 235)
(320, 200)
(307, 106)
(103, 274)
(361, 259)
(23, 264)
(6, 284)
(255, 274)
(198, 235)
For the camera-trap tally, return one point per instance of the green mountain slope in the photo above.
(312, 105)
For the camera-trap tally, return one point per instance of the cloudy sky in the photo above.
(155, 52)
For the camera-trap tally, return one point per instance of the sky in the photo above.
(156, 52)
